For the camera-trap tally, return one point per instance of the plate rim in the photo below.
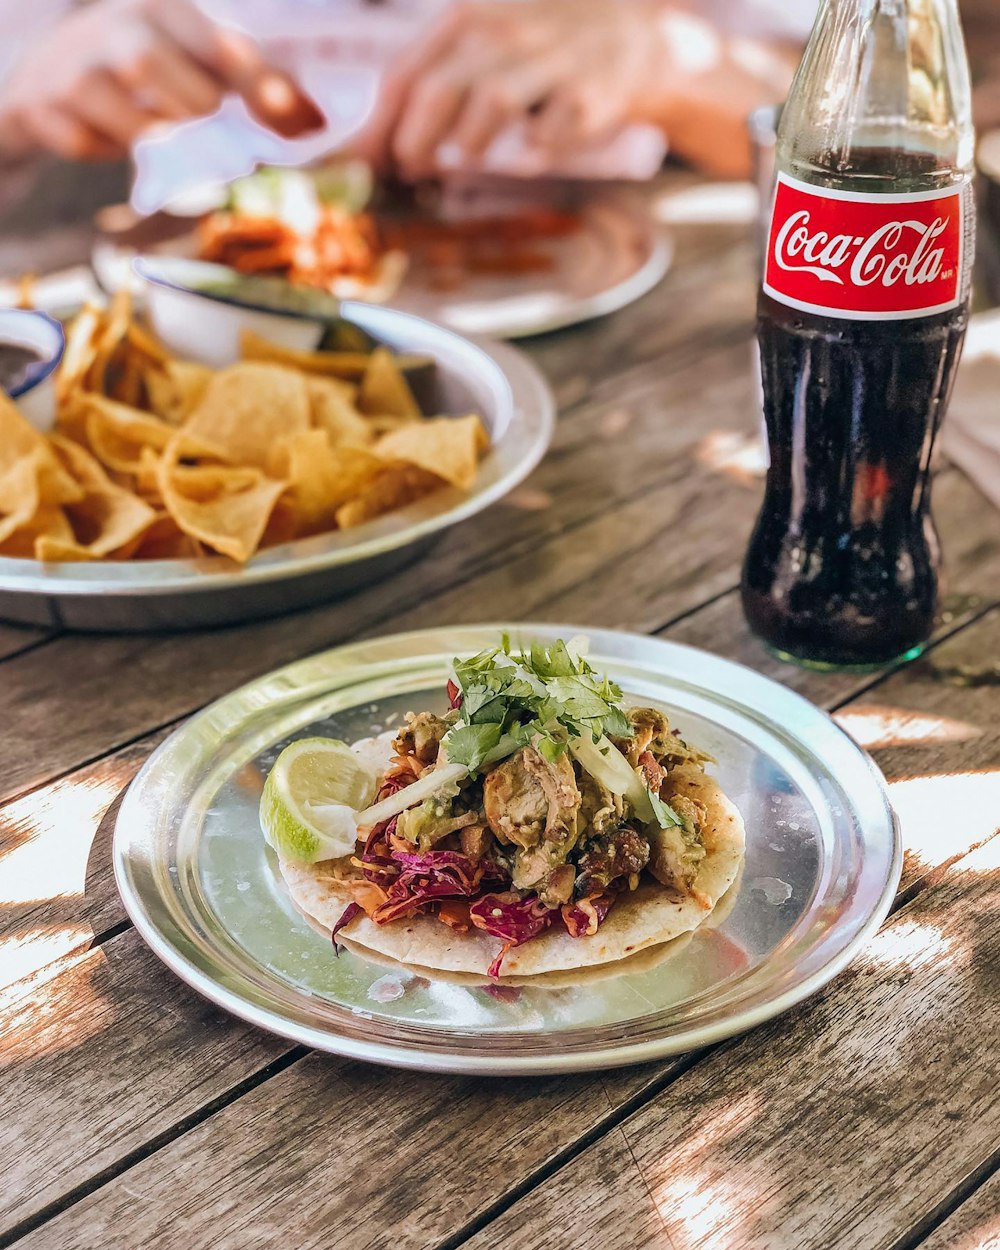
(684, 1038)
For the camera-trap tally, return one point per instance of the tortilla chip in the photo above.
(114, 325)
(79, 462)
(384, 390)
(346, 365)
(165, 540)
(107, 518)
(246, 408)
(204, 482)
(21, 444)
(231, 520)
(48, 520)
(144, 343)
(321, 478)
(20, 496)
(447, 446)
(174, 387)
(395, 487)
(78, 356)
(118, 434)
(331, 411)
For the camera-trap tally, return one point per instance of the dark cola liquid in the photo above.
(842, 568)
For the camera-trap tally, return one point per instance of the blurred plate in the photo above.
(618, 254)
(493, 379)
(822, 864)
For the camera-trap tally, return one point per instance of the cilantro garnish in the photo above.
(544, 696)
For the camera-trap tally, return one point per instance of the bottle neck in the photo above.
(881, 97)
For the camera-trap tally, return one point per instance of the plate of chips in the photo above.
(171, 494)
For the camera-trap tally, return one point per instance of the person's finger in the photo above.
(498, 98)
(378, 137)
(270, 94)
(556, 125)
(110, 109)
(431, 110)
(177, 85)
(576, 116)
(67, 136)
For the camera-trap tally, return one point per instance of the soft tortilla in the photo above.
(651, 915)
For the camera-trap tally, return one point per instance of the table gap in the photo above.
(957, 1198)
(168, 1135)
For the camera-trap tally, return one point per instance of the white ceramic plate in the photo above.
(618, 255)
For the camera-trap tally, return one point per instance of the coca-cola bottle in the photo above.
(860, 324)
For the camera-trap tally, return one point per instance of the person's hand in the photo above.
(573, 71)
(87, 89)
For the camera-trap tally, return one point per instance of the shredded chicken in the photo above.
(421, 736)
(529, 799)
(677, 852)
(533, 803)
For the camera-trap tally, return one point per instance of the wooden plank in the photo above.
(837, 1126)
(123, 687)
(426, 1156)
(129, 1052)
(17, 638)
(974, 1226)
(57, 888)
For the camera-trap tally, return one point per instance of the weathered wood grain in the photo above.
(835, 1127)
(974, 1226)
(99, 1058)
(15, 638)
(57, 889)
(226, 1175)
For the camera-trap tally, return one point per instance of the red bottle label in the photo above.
(866, 257)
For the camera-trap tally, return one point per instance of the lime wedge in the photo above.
(310, 799)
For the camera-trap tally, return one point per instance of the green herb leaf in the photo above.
(663, 813)
(470, 744)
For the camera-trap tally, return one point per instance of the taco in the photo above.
(539, 826)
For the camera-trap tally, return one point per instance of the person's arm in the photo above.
(89, 85)
(573, 72)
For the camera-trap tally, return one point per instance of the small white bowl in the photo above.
(206, 325)
(36, 394)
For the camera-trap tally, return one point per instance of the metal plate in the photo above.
(823, 860)
(618, 255)
(493, 379)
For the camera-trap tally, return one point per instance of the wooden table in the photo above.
(134, 1114)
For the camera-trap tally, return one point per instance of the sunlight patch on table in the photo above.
(53, 1011)
(877, 728)
(931, 808)
(911, 945)
(721, 203)
(697, 1209)
(28, 960)
(733, 455)
(61, 823)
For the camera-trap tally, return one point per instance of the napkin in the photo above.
(971, 432)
